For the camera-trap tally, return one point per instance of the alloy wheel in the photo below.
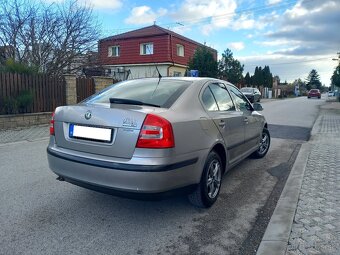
(214, 179)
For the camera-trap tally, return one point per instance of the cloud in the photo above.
(314, 25)
(266, 20)
(271, 2)
(211, 14)
(304, 51)
(275, 43)
(144, 15)
(236, 46)
(245, 21)
(104, 4)
(97, 4)
(291, 67)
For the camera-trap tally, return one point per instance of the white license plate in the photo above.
(90, 133)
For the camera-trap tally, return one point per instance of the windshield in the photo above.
(247, 90)
(162, 93)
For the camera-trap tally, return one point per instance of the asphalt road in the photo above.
(39, 215)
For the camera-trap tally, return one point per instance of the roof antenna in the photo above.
(159, 73)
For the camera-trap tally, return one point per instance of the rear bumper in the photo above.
(134, 195)
(314, 95)
(119, 178)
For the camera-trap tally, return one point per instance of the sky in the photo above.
(292, 37)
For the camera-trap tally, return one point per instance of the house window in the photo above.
(146, 49)
(180, 50)
(114, 51)
(177, 74)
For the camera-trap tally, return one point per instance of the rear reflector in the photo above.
(156, 133)
(52, 125)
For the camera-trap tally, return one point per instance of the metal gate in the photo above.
(85, 88)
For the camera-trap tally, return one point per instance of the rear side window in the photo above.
(151, 91)
(209, 100)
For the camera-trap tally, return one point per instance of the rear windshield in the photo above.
(162, 93)
(314, 90)
(249, 90)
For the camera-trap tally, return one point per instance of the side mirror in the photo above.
(257, 107)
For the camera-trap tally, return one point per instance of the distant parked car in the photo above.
(152, 136)
(330, 93)
(314, 93)
(253, 94)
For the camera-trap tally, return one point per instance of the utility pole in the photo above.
(336, 59)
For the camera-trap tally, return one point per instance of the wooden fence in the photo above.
(85, 88)
(46, 91)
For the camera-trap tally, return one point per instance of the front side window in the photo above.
(240, 101)
(114, 51)
(146, 49)
(222, 97)
(180, 50)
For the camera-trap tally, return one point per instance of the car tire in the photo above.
(206, 192)
(264, 145)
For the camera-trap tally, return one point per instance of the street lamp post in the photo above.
(336, 59)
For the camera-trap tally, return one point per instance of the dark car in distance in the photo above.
(314, 93)
(253, 94)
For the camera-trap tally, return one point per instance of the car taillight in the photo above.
(52, 124)
(156, 133)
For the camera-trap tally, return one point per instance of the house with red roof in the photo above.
(136, 54)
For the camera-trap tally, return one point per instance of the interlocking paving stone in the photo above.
(316, 226)
(26, 134)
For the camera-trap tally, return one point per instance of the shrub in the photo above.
(10, 105)
(17, 67)
(24, 100)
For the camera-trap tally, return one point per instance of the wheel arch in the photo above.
(222, 152)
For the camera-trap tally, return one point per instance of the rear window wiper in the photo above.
(130, 101)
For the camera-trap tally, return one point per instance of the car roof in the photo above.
(193, 79)
(198, 80)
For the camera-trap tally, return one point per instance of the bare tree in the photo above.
(50, 36)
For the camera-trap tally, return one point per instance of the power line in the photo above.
(198, 21)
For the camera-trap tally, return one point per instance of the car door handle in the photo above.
(221, 124)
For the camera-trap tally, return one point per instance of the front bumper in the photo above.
(127, 177)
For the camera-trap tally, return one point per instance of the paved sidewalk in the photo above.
(307, 217)
(25, 134)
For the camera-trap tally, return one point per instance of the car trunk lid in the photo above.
(100, 129)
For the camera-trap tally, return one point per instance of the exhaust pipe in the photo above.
(59, 178)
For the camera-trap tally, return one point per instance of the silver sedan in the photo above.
(151, 137)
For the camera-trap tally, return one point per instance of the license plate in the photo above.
(90, 133)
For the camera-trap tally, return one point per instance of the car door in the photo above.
(229, 122)
(252, 125)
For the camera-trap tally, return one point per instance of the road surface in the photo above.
(39, 215)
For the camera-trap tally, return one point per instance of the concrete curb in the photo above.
(277, 234)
